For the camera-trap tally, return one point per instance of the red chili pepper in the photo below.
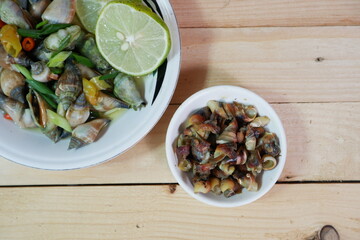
(2, 24)
(28, 44)
(7, 116)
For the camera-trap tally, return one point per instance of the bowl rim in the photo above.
(170, 153)
(167, 7)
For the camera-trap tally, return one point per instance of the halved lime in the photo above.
(88, 12)
(132, 38)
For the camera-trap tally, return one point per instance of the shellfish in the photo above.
(17, 111)
(13, 84)
(40, 71)
(11, 13)
(78, 112)
(69, 85)
(125, 89)
(54, 41)
(60, 11)
(106, 103)
(37, 7)
(87, 47)
(86, 133)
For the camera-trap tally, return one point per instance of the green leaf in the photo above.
(63, 44)
(58, 120)
(24, 71)
(83, 60)
(48, 95)
(43, 32)
(109, 76)
(49, 100)
(59, 59)
(39, 25)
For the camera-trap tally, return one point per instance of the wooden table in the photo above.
(302, 56)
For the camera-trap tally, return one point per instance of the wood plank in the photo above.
(318, 64)
(248, 13)
(294, 211)
(323, 144)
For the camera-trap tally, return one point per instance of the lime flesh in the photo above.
(132, 38)
(88, 12)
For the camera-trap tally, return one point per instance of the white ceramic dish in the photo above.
(227, 94)
(35, 150)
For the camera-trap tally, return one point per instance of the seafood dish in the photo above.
(53, 76)
(225, 147)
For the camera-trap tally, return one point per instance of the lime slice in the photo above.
(88, 12)
(132, 38)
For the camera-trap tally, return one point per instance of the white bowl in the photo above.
(35, 150)
(226, 94)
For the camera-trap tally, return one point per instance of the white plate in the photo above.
(33, 149)
(226, 94)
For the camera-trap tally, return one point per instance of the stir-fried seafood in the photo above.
(52, 75)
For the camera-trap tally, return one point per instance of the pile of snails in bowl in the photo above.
(225, 147)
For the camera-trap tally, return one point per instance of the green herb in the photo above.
(56, 70)
(41, 88)
(63, 44)
(24, 71)
(58, 120)
(83, 60)
(49, 100)
(39, 25)
(44, 31)
(109, 76)
(59, 59)
(38, 86)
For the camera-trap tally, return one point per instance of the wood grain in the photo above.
(249, 13)
(319, 64)
(294, 211)
(323, 144)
